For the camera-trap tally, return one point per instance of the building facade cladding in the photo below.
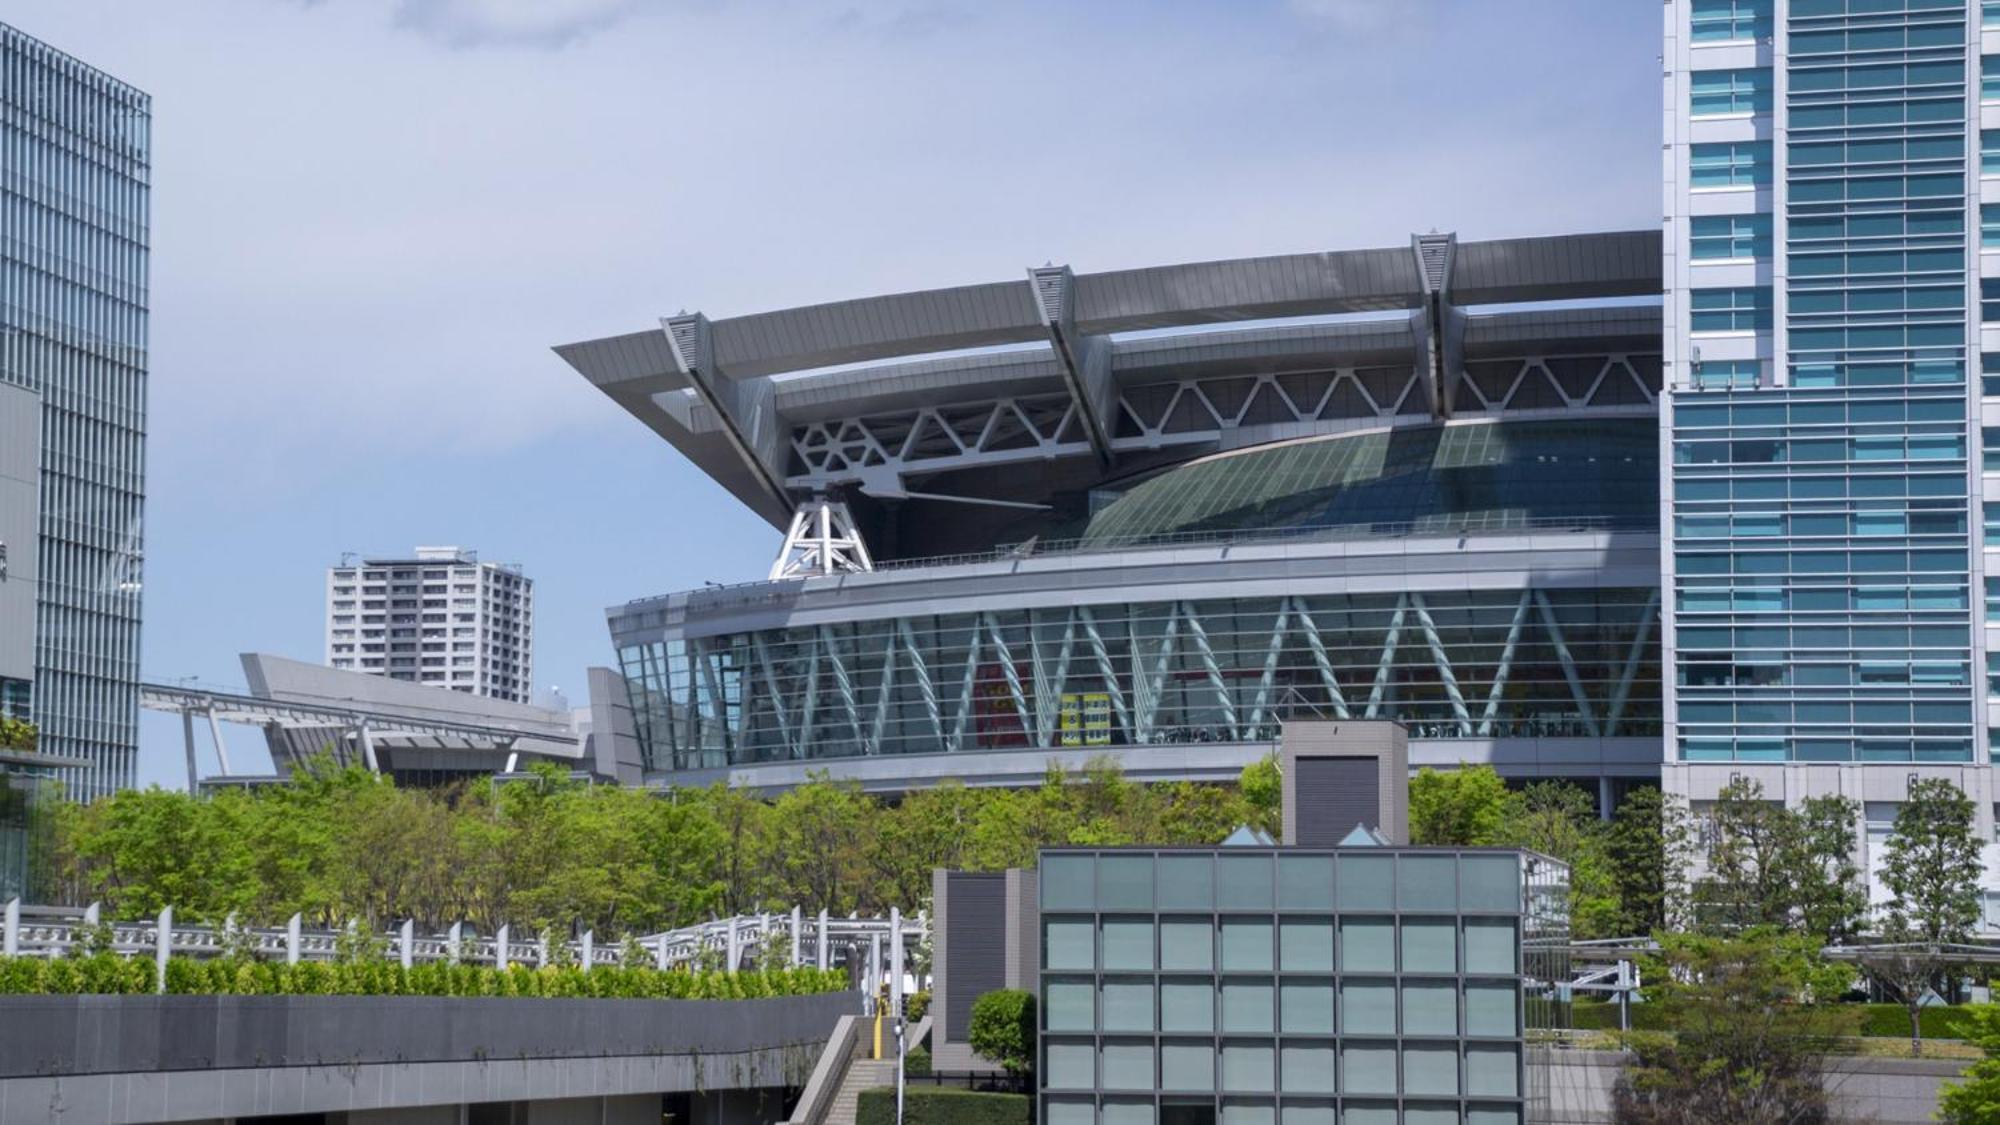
(1253, 986)
(1823, 445)
(74, 190)
(440, 617)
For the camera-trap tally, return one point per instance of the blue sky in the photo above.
(373, 217)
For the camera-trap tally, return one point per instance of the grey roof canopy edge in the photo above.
(1611, 264)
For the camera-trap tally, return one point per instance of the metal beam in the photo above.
(1085, 361)
(746, 412)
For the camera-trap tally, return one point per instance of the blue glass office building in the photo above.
(1823, 497)
(74, 183)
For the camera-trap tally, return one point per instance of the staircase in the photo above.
(862, 1074)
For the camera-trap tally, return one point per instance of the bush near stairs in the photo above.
(942, 1105)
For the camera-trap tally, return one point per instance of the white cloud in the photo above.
(525, 23)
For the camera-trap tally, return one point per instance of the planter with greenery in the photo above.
(941, 1105)
(106, 973)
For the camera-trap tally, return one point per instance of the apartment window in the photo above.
(1713, 237)
(1739, 374)
(1989, 373)
(1993, 599)
(1723, 92)
(1989, 152)
(1718, 21)
(1989, 298)
(1989, 13)
(1989, 226)
(1731, 310)
(1735, 164)
(1989, 78)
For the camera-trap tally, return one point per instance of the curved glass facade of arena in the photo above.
(1556, 661)
(1436, 477)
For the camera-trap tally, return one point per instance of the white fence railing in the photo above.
(875, 948)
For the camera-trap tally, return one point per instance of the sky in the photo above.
(372, 219)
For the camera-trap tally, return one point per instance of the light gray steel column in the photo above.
(215, 735)
(1506, 665)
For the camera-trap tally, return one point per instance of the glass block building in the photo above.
(1828, 496)
(1155, 513)
(75, 159)
(1294, 986)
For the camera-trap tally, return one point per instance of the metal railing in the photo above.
(729, 944)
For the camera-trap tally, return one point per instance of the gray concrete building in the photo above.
(73, 301)
(1156, 513)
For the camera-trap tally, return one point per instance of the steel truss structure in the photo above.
(1453, 664)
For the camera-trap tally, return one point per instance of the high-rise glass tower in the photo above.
(75, 170)
(1824, 498)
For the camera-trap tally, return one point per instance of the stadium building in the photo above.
(1155, 513)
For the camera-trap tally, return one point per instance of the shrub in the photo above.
(941, 1105)
(916, 1005)
(109, 974)
(916, 1060)
(1003, 1030)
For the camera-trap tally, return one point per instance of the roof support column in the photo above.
(745, 409)
(1085, 360)
(1439, 326)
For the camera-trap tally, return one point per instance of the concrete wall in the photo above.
(20, 526)
(118, 1059)
(1879, 1091)
(1386, 745)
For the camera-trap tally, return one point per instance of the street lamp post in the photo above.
(899, 1068)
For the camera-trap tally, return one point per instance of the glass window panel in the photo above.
(1128, 1005)
(1248, 1113)
(1308, 1069)
(1128, 944)
(1430, 947)
(1126, 1111)
(1128, 1066)
(1069, 1111)
(1246, 945)
(1414, 1114)
(1248, 1006)
(1305, 882)
(1367, 882)
(1306, 1008)
(1187, 944)
(1430, 1071)
(1067, 882)
(1069, 1006)
(1368, 1068)
(1492, 1115)
(1306, 1113)
(1187, 1006)
(1368, 945)
(1248, 1068)
(1430, 1009)
(1489, 882)
(1186, 882)
(1492, 1070)
(1490, 1009)
(1245, 882)
(1489, 946)
(1365, 1113)
(1305, 945)
(1367, 1008)
(1125, 882)
(1069, 944)
(1072, 1066)
(1427, 882)
(1187, 1066)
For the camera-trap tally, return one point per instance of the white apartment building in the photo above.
(439, 617)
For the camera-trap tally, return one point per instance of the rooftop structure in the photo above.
(1156, 512)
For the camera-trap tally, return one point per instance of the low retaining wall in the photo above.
(58, 1035)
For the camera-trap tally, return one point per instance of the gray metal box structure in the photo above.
(1342, 774)
(20, 516)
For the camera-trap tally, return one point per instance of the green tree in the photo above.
(1649, 846)
(1560, 820)
(1262, 785)
(1792, 868)
(819, 837)
(1826, 880)
(1464, 806)
(1002, 1030)
(1748, 1047)
(929, 828)
(1975, 1100)
(1932, 870)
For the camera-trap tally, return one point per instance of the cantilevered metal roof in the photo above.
(1053, 354)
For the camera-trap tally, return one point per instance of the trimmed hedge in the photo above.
(1883, 1021)
(106, 973)
(941, 1105)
